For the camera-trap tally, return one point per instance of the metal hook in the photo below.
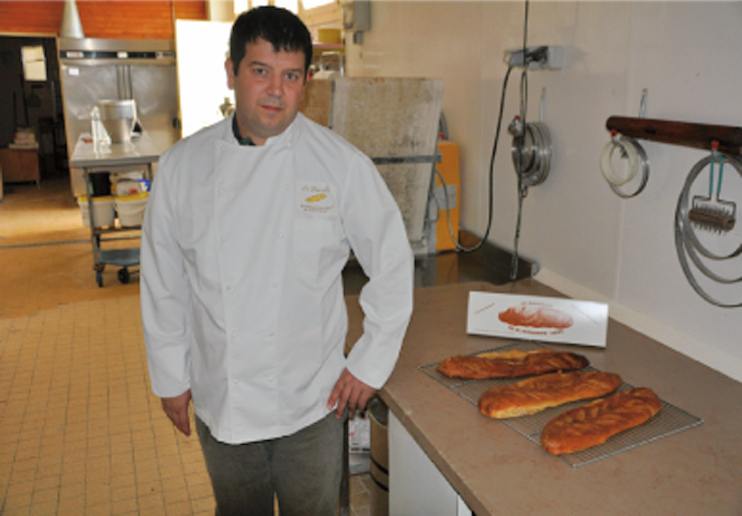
(643, 104)
(542, 105)
(617, 142)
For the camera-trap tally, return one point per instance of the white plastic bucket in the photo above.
(130, 209)
(103, 211)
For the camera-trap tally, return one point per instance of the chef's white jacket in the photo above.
(241, 291)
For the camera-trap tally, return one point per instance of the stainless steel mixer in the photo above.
(119, 117)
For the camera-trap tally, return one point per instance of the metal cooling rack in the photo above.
(668, 421)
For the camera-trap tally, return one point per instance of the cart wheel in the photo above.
(124, 275)
(99, 278)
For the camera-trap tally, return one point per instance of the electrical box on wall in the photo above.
(537, 58)
(356, 18)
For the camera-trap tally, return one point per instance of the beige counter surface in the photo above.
(497, 471)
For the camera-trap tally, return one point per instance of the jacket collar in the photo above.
(288, 137)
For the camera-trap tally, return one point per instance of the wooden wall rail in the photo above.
(114, 19)
(687, 134)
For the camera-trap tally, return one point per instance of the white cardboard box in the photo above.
(546, 319)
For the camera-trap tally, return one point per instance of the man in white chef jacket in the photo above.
(248, 227)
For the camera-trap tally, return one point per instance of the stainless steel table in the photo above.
(95, 158)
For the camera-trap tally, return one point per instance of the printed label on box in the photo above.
(547, 319)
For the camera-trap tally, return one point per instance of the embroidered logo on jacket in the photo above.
(316, 198)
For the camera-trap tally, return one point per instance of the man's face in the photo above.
(268, 89)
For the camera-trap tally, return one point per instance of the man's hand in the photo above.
(349, 391)
(177, 411)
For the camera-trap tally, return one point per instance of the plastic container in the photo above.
(103, 211)
(129, 183)
(130, 209)
(131, 174)
(100, 135)
(130, 187)
(95, 125)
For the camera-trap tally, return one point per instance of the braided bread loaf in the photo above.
(535, 394)
(510, 364)
(594, 423)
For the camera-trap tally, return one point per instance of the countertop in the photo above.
(140, 150)
(498, 471)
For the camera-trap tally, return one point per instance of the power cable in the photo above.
(459, 247)
(519, 144)
(522, 189)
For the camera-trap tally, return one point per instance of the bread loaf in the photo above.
(510, 364)
(541, 392)
(536, 317)
(594, 423)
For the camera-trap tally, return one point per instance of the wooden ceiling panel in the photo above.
(116, 19)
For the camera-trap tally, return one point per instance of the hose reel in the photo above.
(532, 147)
(532, 157)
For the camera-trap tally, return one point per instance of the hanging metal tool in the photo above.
(715, 217)
(712, 213)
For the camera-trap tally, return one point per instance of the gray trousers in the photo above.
(303, 470)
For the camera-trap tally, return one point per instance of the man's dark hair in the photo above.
(279, 27)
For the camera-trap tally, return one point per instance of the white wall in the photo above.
(589, 242)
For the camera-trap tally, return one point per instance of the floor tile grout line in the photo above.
(43, 244)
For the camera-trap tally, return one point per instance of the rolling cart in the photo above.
(115, 157)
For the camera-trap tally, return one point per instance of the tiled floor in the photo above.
(81, 432)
